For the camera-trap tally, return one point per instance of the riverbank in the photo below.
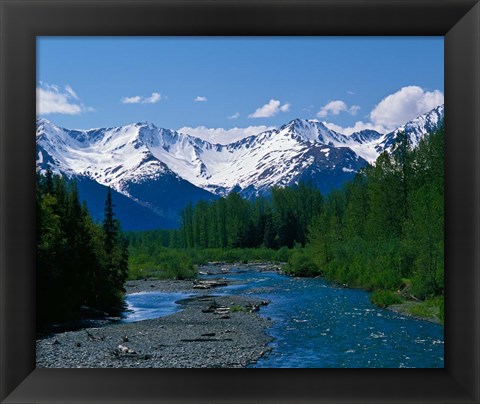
(417, 310)
(209, 331)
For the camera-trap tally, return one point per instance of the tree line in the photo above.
(233, 222)
(80, 264)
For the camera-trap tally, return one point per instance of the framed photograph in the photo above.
(217, 50)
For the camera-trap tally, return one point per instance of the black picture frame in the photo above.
(22, 20)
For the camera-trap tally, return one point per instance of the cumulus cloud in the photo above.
(234, 116)
(224, 136)
(132, 100)
(357, 127)
(199, 98)
(137, 99)
(272, 108)
(53, 99)
(335, 107)
(394, 110)
(405, 105)
(154, 98)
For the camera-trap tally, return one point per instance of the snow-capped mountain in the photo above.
(162, 170)
(415, 129)
(147, 193)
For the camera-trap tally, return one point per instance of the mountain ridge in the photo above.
(157, 167)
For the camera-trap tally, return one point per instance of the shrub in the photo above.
(384, 298)
(300, 263)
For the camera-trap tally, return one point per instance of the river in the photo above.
(319, 325)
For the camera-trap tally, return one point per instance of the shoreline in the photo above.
(210, 331)
(404, 310)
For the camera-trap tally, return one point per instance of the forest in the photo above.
(383, 231)
(81, 265)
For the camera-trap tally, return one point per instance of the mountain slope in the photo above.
(161, 170)
(146, 189)
(415, 129)
(131, 214)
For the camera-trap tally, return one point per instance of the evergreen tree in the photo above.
(116, 254)
(79, 263)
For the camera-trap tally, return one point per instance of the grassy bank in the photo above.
(430, 309)
(170, 263)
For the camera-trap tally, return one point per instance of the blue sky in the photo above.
(210, 85)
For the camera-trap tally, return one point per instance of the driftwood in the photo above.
(207, 284)
(200, 286)
(222, 310)
(126, 350)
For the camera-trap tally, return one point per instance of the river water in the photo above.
(319, 325)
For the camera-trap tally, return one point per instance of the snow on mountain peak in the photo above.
(137, 152)
(414, 129)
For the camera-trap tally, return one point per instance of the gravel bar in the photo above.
(205, 334)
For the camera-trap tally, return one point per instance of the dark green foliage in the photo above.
(153, 261)
(385, 298)
(301, 263)
(79, 263)
(234, 222)
(387, 224)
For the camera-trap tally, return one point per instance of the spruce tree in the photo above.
(116, 255)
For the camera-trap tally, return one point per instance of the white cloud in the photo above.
(70, 91)
(137, 99)
(132, 100)
(393, 111)
(51, 99)
(199, 98)
(357, 127)
(154, 98)
(224, 136)
(335, 107)
(349, 92)
(405, 105)
(272, 108)
(354, 109)
(234, 116)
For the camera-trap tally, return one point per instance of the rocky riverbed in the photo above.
(210, 331)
